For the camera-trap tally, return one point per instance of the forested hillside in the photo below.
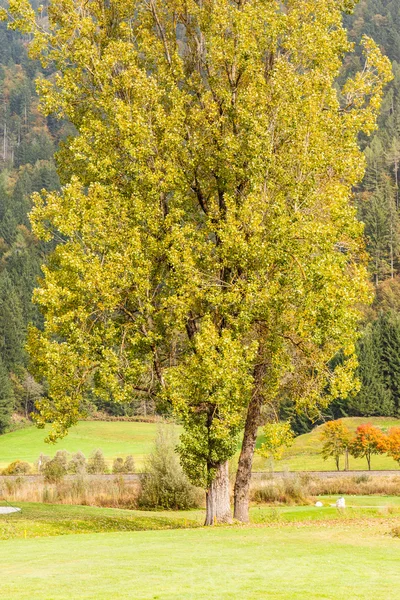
(28, 142)
(27, 147)
(378, 200)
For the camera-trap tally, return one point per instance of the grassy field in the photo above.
(47, 520)
(305, 455)
(122, 438)
(114, 438)
(289, 557)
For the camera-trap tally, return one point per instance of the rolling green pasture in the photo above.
(305, 455)
(114, 438)
(290, 557)
(122, 438)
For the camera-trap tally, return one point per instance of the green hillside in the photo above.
(305, 455)
(121, 438)
(114, 438)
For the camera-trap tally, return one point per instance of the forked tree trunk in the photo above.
(218, 508)
(243, 474)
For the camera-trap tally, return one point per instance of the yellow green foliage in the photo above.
(277, 438)
(206, 222)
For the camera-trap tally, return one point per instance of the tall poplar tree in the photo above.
(210, 254)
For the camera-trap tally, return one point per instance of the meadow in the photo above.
(122, 438)
(287, 553)
(114, 438)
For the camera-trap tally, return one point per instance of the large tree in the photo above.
(209, 251)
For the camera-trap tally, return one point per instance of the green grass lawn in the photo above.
(338, 558)
(114, 438)
(122, 438)
(45, 520)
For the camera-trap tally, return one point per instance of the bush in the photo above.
(129, 464)
(18, 467)
(96, 463)
(164, 485)
(61, 456)
(118, 465)
(42, 462)
(121, 466)
(77, 465)
(54, 471)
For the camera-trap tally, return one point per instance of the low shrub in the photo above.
(129, 464)
(18, 467)
(123, 466)
(54, 471)
(77, 465)
(164, 485)
(62, 456)
(42, 462)
(96, 463)
(118, 465)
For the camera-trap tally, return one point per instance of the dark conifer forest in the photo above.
(28, 143)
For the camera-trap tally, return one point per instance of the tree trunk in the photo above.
(218, 508)
(337, 463)
(243, 475)
(346, 460)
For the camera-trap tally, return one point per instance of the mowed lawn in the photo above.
(114, 438)
(121, 438)
(45, 520)
(338, 559)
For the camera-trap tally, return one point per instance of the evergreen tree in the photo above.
(389, 325)
(6, 398)
(374, 397)
(12, 330)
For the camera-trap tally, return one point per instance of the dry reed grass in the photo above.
(94, 491)
(293, 488)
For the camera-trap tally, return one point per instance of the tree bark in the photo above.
(218, 508)
(243, 474)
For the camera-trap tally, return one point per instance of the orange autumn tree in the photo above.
(335, 436)
(393, 444)
(368, 440)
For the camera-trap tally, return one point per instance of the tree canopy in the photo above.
(209, 252)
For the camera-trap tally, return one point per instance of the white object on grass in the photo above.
(7, 510)
(341, 503)
(319, 504)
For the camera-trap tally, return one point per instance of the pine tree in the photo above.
(374, 397)
(12, 330)
(6, 398)
(389, 325)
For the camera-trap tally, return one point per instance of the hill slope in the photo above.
(305, 455)
(122, 438)
(113, 438)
